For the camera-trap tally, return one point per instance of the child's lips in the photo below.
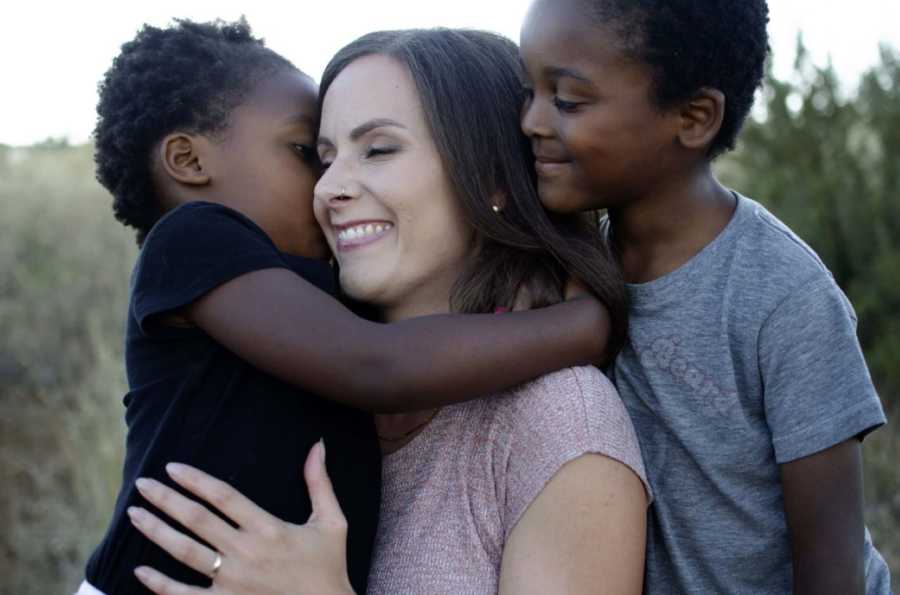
(545, 166)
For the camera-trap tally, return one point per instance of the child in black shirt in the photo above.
(205, 139)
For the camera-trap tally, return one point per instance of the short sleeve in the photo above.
(192, 250)
(557, 419)
(816, 386)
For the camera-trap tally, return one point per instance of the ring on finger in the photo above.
(217, 565)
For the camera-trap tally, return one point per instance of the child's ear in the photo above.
(701, 118)
(184, 158)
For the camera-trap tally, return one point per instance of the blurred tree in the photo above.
(826, 160)
(828, 164)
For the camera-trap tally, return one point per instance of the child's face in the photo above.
(598, 138)
(265, 166)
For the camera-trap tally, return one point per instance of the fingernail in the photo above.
(322, 450)
(176, 470)
(142, 484)
(141, 573)
(135, 514)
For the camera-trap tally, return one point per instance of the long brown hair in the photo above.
(470, 84)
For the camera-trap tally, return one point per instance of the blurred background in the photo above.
(822, 151)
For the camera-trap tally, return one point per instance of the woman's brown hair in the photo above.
(470, 84)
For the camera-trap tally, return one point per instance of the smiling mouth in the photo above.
(361, 234)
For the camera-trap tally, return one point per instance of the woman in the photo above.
(428, 204)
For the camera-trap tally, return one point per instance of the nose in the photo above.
(535, 120)
(335, 187)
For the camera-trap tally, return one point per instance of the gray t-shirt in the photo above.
(744, 358)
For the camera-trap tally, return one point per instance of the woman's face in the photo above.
(385, 202)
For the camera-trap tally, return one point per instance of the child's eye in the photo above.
(306, 152)
(565, 106)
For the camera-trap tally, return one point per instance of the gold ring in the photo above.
(217, 564)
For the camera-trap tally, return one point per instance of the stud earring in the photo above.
(497, 209)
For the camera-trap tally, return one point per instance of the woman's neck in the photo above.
(660, 233)
(396, 430)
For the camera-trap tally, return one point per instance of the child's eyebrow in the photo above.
(558, 72)
(304, 119)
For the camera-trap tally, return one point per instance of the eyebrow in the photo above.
(300, 119)
(558, 72)
(364, 129)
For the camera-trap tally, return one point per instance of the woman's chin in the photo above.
(361, 289)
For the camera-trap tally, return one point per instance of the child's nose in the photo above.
(534, 119)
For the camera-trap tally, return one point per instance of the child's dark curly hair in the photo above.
(186, 77)
(691, 44)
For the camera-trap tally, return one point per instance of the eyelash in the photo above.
(372, 152)
(378, 151)
(306, 153)
(567, 107)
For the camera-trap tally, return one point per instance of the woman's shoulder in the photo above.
(556, 419)
(581, 395)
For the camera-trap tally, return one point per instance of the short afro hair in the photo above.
(186, 77)
(690, 44)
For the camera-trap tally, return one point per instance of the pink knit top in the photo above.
(452, 496)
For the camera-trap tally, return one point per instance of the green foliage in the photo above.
(65, 264)
(828, 164)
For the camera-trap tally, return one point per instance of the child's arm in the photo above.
(823, 503)
(819, 402)
(282, 324)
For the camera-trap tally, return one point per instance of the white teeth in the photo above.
(363, 230)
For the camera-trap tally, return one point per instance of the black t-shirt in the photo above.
(193, 401)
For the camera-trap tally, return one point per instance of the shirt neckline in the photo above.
(647, 294)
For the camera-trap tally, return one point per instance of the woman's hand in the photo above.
(264, 555)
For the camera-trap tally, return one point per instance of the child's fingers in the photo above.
(163, 585)
(222, 496)
(180, 546)
(325, 506)
(192, 515)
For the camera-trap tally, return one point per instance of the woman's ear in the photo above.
(701, 119)
(184, 158)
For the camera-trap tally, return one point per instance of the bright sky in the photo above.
(53, 53)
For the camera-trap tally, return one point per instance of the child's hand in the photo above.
(264, 555)
(576, 290)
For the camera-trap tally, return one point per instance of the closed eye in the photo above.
(307, 153)
(378, 151)
(565, 106)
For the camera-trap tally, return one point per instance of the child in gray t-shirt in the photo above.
(743, 373)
